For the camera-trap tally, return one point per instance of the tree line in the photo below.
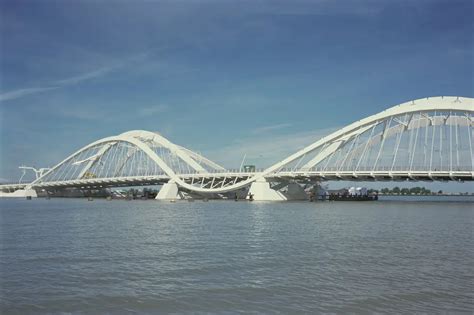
(405, 191)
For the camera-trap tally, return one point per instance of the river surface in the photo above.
(226, 257)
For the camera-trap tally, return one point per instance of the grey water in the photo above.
(226, 257)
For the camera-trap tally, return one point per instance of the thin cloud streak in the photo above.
(25, 92)
(265, 150)
(69, 81)
(86, 76)
(153, 110)
(266, 129)
(55, 85)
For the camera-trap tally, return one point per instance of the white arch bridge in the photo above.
(426, 139)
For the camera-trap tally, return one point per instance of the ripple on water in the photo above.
(225, 257)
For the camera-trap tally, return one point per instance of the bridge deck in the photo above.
(308, 176)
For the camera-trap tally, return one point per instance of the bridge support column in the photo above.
(295, 192)
(168, 191)
(261, 191)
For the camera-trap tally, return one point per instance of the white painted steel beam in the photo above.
(199, 180)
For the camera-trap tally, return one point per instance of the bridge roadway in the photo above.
(427, 139)
(223, 179)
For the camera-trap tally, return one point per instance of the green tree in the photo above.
(396, 190)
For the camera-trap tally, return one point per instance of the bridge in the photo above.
(426, 139)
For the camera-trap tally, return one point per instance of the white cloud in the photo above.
(86, 76)
(79, 112)
(266, 149)
(55, 85)
(152, 110)
(266, 129)
(70, 81)
(24, 92)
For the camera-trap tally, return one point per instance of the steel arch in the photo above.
(327, 145)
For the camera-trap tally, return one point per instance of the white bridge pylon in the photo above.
(425, 139)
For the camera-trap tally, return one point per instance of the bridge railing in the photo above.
(230, 171)
(446, 168)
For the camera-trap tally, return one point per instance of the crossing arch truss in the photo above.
(429, 138)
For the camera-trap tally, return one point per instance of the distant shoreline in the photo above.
(433, 195)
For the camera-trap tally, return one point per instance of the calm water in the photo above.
(230, 257)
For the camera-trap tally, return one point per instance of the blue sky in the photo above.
(221, 77)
